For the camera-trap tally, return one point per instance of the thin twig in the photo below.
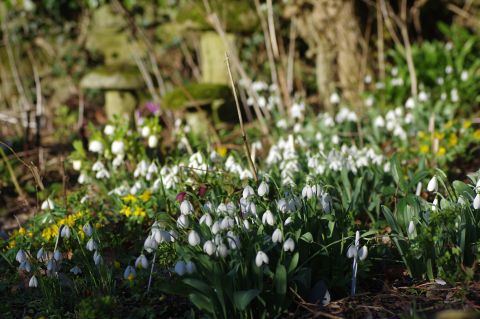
(244, 136)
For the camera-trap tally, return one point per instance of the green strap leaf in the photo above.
(243, 298)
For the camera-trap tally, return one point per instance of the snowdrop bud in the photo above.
(97, 258)
(129, 273)
(246, 224)
(95, 146)
(47, 204)
(92, 245)
(183, 221)
(289, 245)
(247, 192)
(215, 228)
(432, 185)
(77, 165)
(418, 192)
(289, 220)
(307, 192)
(180, 268)
(362, 253)
(263, 189)
(209, 247)
(268, 218)
(33, 282)
(476, 202)
(21, 256)
(261, 259)
(190, 267)
(411, 228)
(335, 98)
(145, 131)
(193, 238)
(87, 229)
(75, 270)
(277, 236)
(141, 262)
(66, 232)
(57, 255)
(222, 250)
(186, 208)
(41, 254)
(352, 251)
(109, 129)
(118, 147)
(435, 204)
(152, 141)
(207, 219)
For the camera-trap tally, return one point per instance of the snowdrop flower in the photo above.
(209, 247)
(141, 262)
(41, 254)
(152, 141)
(448, 69)
(418, 191)
(358, 254)
(82, 179)
(268, 218)
(433, 185)
(118, 147)
(335, 98)
(33, 282)
(183, 221)
(423, 96)
(102, 174)
(282, 205)
(66, 232)
(129, 273)
(263, 189)
(21, 256)
(215, 227)
(464, 75)
(77, 164)
(289, 245)
(75, 270)
(186, 208)
(145, 131)
(288, 221)
(454, 95)
(411, 228)
(92, 245)
(150, 244)
(277, 236)
(233, 240)
(57, 255)
(180, 268)
(206, 219)
(308, 192)
(193, 238)
(95, 146)
(247, 192)
(435, 204)
(190, 267)
(410, 103)
(379, 121)
(261, 259)
(109, 129)
(246, 224)
(97, 258)
(369, 101)
(222, 250)
(25, 266)
(326, 202)
(476, 202)
(51, 266)
(87, 229)
(47, 204)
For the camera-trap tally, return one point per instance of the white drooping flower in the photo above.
(215, 227)
(87, 229)
(186, 208)
(21, 256)
(25, 266)
(180, 268)
(97, 258)
(410, 103)
(247, 192)
(152, 141)
(335, 98)
(464, 75)
(145, 131)
(209, 247)
(141, 262)
(233, 240)
(289, 245)
(277, 236)
(222, 250)
(476, 202)
(326, 202)
(47, 204)
(95, 146)
(193, 238)
(109, 129)
(33, 282)
(92, 245)
(118, 147)
(75, 270)
(57, 255)
(433, 185)
(418, 191)
(263, 189)
(150, 244)
(41, 254)
(268, 218)
(129, 273)
(66, 232)
(206, 219)
(435, 204)
(261, 258)
(411, 228)
(183, 221)
(77, 164)
(190, 267)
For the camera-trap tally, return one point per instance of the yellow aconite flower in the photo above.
(449, 124)
(12, 244)
(129, 198)
(222, 151)
(145, 196)
(22, 231)
(421, 134)
(424, 149)
(467, 124)
(441, 151)
(127, 211)
(98, 225)
(139, 211)
(131, 277)
(116, 264)
(439, 135)
(453, 140)
(476, 134)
